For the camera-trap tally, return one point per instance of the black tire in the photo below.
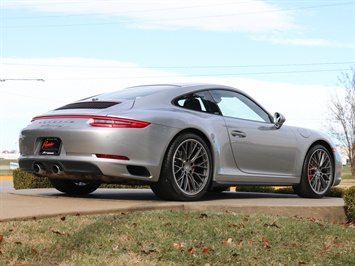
(317, 173)
(186, 171)
(74, 187)
(156, 188)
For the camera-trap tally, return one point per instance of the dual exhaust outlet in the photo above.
(39, 169)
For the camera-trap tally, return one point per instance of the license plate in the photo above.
(50, 146)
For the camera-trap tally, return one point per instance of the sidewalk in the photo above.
(41, 203)
(346, 183)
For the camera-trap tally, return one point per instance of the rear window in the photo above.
(131, 93)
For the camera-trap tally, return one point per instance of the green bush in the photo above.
(24, 180)
(261, 189)
(335, 192)
(349, 199)
(285, 190)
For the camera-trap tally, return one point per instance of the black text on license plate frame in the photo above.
(50, 146)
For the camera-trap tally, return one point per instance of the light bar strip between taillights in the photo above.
(60, 116)
(101, 121)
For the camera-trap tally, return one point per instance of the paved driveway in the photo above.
(39, 203)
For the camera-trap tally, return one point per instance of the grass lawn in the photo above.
(5, 172)
(176, 238)
(5, 167)
(5, 162)
(346, 173)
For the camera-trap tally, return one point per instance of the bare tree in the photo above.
(341, 120)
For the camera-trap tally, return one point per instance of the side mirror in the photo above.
(279, 120)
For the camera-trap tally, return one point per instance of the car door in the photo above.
(258, 146)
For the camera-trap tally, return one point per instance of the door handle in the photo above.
(237, 133)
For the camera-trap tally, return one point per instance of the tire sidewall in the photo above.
(71, 187)
(168, 168)
(305, 189)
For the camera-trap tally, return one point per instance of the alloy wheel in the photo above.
(320, 171)
(191, 167)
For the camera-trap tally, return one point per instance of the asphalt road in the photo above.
(6, 186)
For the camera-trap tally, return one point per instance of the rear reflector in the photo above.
(110, 156)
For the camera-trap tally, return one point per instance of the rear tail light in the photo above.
(103, 121)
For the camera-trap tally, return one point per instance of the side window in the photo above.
(236, 105)
(195, 101)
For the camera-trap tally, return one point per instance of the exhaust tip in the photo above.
(56, 169)
(39, 169)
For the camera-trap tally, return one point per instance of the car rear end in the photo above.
(92, 140)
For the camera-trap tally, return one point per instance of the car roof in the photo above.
(158, 93)
(185, 85)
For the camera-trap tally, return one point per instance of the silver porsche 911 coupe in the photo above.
(180, 139)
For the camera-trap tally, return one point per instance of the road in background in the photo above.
(6, 186)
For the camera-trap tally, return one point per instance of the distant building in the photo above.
(7, 151)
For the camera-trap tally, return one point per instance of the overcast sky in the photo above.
(288, 55)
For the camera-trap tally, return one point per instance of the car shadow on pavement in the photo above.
(147, 194)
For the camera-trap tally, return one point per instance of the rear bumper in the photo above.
(69, 167)
(103, 170)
